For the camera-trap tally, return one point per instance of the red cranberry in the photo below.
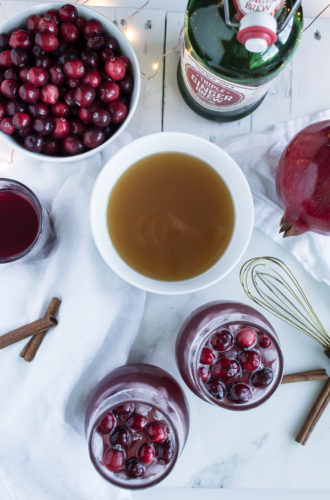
(126, 85)
(106, 54)
(157, 432)
(264, 341)
(21, 120)
(60, 109)
(111, 43)
(51, 146)
(134, 468)
(250, 360)
(222, 341)
(50, 94)
(239, 393)
(44, 62)
(146, 453)
(34, 142)
(226, 368)
(93, 137)
(216, 388)
(28, 93)
(92, 77)
(80, 23)
(4, 41)
(6, 126)
(69, 99)
(5, 58)
(165, 452)
(19, 57)
(9, 89)
(108, 91)
(207, 356)
(90, 58)
(101, 118)
(10, 74)
(84, 95)
(95, 42)
(38, 109)
(114, 459)
(68, 13)
(73, 144)
(56, 75)
(77, 127)
(125, 61)
(20, 38)
(120, 436)
(74, 69)
(118, 111)
(23, 74)
(115, 68)
(2, 111)
(32, 22)
(86, 114)
(43, 126)
(37, 76)
(48, 25)
(246, 337)
(107, 423)
(92, 27)
(137, 422)
(261, 378)
(72, 83)
(69, 32)
(15, 106)
(124, 409)
(46, 41)
(204, 373)
(62, 128)
(53, 15)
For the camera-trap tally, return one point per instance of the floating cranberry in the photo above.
(226, 368)
(60, 109)
(68, 13)
(115, 68)
(137, 422)
(207, 356)
(21, 120)
(5, 58)
(50, 94)
(46, 41)
(56, 75)
(204, 373)
(92, 27)
(20, 38)
(222, 341)
(90, 58)
(126, 85)
(92, 77)
(73, 144)
(44, 125)
(38, 109)
(34, 142)
(48, 25)
(246, 337)
(120, 436)
(51, 146)
(216, 388)
(165, 452)
(62, 128)
(74, 68)
(19, 57)
(69, 32)
(32, 22)
(118, 111)
(239, 393)
(157, 432)
(250, 360)
(264, 341)
(261, 378)
(6, 126)
(93, 137)
(134, 468)
(146, 453)
(114, 459)
(84, 95)
(108, 91)
(124, 409)
(37, 76)
(95, 42)
(107, 423)
(9, 88)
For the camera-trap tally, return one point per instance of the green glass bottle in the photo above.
(231, 52)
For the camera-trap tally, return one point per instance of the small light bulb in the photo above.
(155, 66)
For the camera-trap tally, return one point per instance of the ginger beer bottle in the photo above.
(231, 52)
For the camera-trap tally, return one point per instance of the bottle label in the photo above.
(216, 93)
(247, 6)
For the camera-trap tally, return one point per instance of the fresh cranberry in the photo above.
(10, 74)
(38, 109)
(77, 127)
(32, 22)
(73, 144)
(165, 452)
(222, 341)
(226, 368)
(20, 38)
(92, 77)
(34, 142)
(44, 62)
(264, 341)
(106, 54)
(53, 15)
(107, 423)
(51, 146)
(60, 109)
(9, 88)
(50, 94)
(28, 93)
(120, 436)
(115, 68)
(15, 106)
(93, 137)
(126, 85)
(261, 378)
(6, 126)
(56, 75)
(101, 118)
(239, 393)
(92, 27)
(134, 468)
(157, 432)
(216, 388)
(207, 356)
(2, 111)
(69, 32)
(69, 99)
(44, 125)
(125, 61)
(108, 91)
(37, 76)
(23, 74)
(48, 25)
(62, 128)
(114, 459)
(74, 68)
(95, 42)
(21, 120)
(137, 422)
(46, 41)
(86, 114)
(246, 337)
(124, 409)
(250, 360)
(80, 23)
(4, 41)
(19, 57)
(118, 111)
(5, 58)
(90, 58)
(68, 13)
(111, 43)
(84, 95)
(204, 373)
(146, 453)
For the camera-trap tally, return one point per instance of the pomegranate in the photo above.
(303, 181)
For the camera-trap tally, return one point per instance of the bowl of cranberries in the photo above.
(69, 81)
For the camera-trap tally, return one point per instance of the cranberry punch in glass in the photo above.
(136, 424)
(229, 355)
(24, 224)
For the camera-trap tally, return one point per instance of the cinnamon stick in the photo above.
(27, 330)
(314, 414)
(30, 349)
(320, 374)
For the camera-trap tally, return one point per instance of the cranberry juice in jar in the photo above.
(229, 355)
(137, 424)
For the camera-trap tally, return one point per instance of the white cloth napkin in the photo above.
(258, 155)
(43, 453)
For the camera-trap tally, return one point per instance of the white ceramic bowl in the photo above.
(126, 49)
(182, 143)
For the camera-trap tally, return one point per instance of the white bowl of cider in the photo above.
(171, 213)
